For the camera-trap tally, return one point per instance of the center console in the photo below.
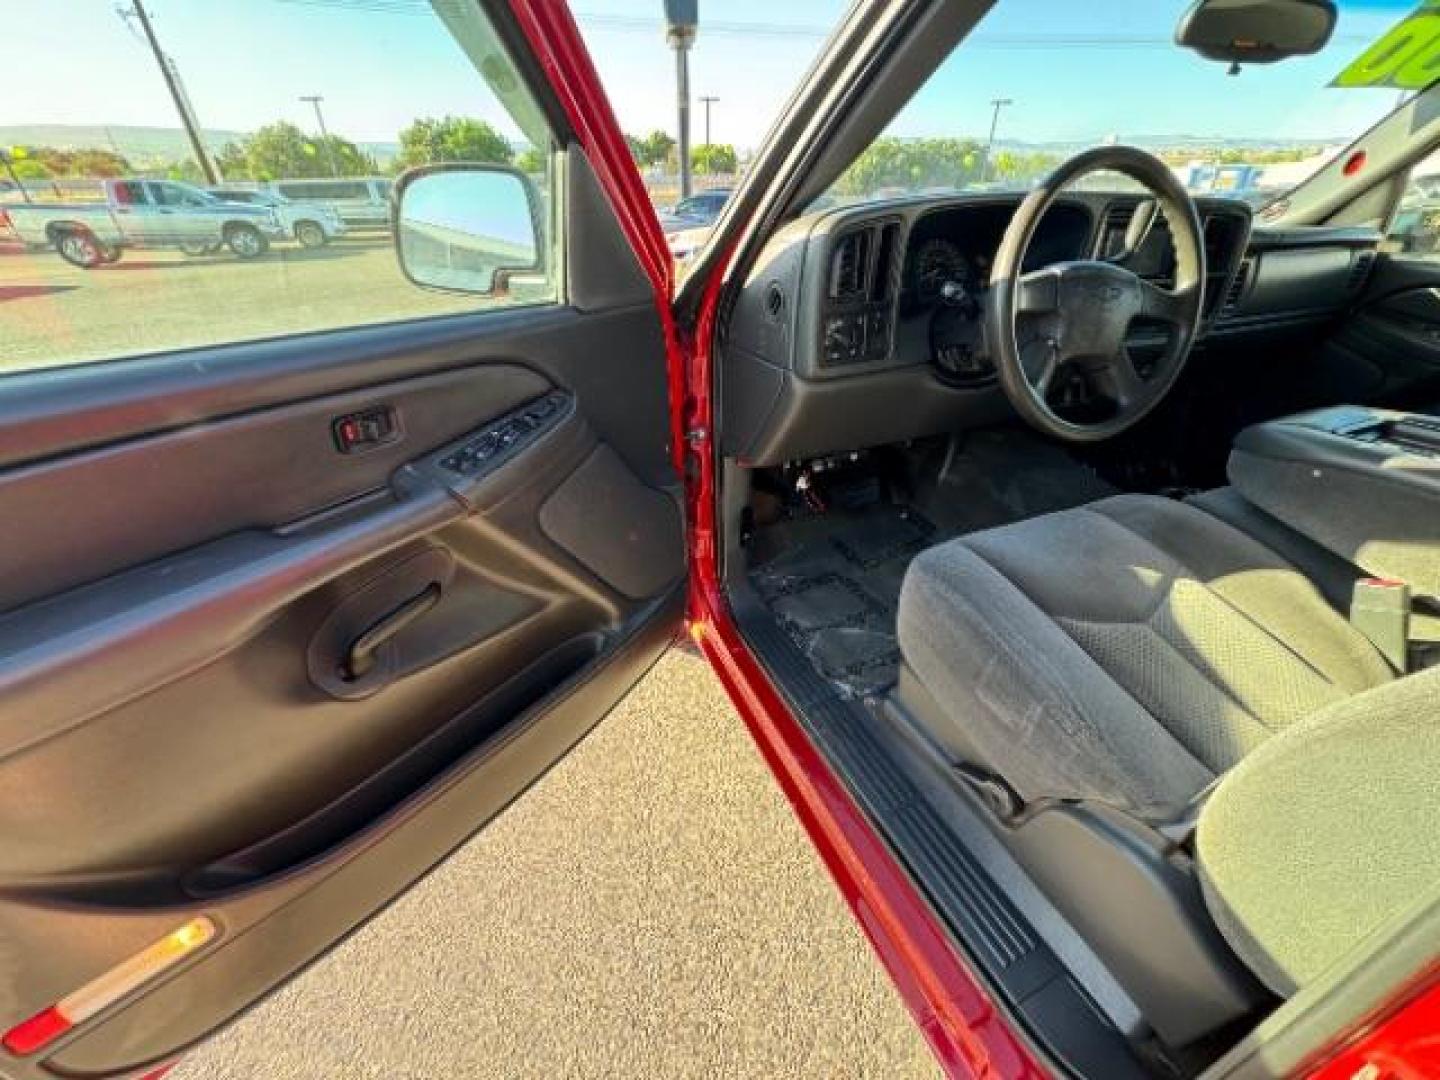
(1364, 483)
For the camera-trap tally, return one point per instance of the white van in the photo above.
(361, 202)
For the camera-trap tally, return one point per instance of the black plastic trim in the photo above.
(1020, 966)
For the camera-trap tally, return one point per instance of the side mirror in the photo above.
(1256, 31)
(466, 228)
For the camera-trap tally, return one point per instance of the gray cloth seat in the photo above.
(1133, 651)
(1128, 651)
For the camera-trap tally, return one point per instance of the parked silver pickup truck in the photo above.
(143, 214)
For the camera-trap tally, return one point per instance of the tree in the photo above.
(46, 161)
(232, 162)
(1021, 168)
(654, 149)
(714, 158)
(87, 163)
(185, 169)
(453, 138)
(29, 169)
(282, 150)
(530, 160)
(915, 164)
(349, 159)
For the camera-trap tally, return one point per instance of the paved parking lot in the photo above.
(161, 299)
(651, 908)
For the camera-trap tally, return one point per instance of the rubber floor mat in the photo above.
(833, 585)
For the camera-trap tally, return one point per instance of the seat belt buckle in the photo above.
(1380, 609)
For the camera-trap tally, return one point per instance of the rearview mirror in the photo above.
(1256, 31)
(466, 228)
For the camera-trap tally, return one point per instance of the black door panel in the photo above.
(249, 675)
(1388, 350)
(271, 931)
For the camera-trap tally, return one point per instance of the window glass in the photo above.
(128, 194)
(1415, 225)
(1039, 80)
(323, 102)
(175, 195)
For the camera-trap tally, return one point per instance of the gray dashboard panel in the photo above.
(780, 400)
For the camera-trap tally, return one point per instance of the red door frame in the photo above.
(970, 1033)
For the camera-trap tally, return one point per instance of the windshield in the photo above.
(1039, 80)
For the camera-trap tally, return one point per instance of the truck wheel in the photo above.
(79, 249)
(196, 248)
(246, 241)
(310, 235)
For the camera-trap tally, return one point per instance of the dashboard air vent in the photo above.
(885, 261)
(1237, 287)
(850, 266)
(1112, 232)
(1360, 271)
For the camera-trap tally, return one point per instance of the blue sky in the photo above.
(379, 63)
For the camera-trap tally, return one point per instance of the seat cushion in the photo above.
(1326, 832)
(1127, 651)
(1332, 575)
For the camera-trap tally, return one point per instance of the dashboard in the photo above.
(864, 325)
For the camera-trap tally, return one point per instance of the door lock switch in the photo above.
(361, 431)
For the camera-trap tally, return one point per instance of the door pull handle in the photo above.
(361, 657)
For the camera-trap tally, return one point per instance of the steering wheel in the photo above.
(1074, 316)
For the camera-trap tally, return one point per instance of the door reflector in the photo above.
(78, 1006)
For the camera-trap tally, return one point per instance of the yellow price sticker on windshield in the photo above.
(1406, 57)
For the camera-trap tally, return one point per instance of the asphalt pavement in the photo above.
(651, 908)
(153, 300)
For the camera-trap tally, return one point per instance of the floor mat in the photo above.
(833, 586)
(832, 580)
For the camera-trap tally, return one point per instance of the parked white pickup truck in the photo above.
(143, 214)
(310, 224)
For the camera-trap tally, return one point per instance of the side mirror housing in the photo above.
(1256, 31)
(466, 228)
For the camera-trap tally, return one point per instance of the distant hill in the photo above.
(141, 143)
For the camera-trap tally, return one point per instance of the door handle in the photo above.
(360, 658)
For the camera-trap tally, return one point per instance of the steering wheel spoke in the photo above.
(1175, 308)
(1121, 382)
(1038, 292)
(1042, 362)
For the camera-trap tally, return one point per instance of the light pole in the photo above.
(707, 100)
(681, 20)
(999, 104)
(315, 99)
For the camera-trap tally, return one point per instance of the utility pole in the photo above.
(707, 100)
(315, 99)
(682, 17)
(999, 104)
(177, 94)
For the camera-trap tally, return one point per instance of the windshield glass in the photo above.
(1039, 80)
